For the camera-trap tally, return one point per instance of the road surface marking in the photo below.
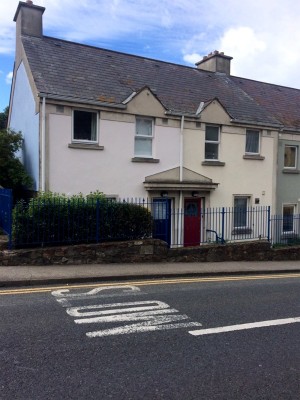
(253, 325)
(169, 281)
(156, 315)
(145, 306)
(64, 297)
(139, 328)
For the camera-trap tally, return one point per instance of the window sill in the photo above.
(145, 159)
(213, 163)
(85, 146)
(290, 171)
(253, 157)
(241, 231)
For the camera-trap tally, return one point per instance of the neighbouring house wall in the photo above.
(288, 187)
(25, 119)
(110, 170)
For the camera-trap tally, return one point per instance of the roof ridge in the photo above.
(118, 52)
(264, 83)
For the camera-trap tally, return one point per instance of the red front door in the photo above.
(192, 222)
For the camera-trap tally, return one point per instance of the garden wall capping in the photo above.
(146, 251)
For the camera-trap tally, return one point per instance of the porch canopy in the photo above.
(170, 181)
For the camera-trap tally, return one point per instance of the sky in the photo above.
(263, 37)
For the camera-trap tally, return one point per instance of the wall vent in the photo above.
(60, 109)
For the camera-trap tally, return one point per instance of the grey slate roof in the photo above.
(85, 73)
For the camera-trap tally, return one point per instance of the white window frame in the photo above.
(294, 207)
(74, 140)
(216, 142)
(248, 215)
(296, 156)
(144, 137)
(248, 131)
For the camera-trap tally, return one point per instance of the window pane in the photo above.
(288, 217)
(252, 141)
(85, 125)
(290, 155)
(211, 151)
(143, 127)
(212, 133)
(143, 147)
(240, 211)
(159, 210)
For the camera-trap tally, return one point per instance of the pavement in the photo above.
(64, 274)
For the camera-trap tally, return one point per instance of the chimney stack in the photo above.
(29, 19)
(215, 62)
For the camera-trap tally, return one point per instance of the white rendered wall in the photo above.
(24, 119)
(110, 170)
(239, 176)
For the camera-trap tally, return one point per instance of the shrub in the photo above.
(51, 218)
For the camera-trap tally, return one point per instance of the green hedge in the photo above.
(56, 219)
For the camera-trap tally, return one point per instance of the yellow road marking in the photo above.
(171, 281)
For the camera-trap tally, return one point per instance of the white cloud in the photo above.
(8, 78)
(262, 37)
(192, 58)
(244, 43)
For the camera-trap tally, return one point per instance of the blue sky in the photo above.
(262, 37)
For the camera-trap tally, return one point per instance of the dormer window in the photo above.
(252, 141)
(212, 141)
(143, 137)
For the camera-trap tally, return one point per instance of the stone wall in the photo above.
(150, 250)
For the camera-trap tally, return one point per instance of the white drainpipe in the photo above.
(181, 150)
(180, 180)
(43, 146)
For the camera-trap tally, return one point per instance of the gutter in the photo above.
(291, 130)
(179, 114)
(245, 122)
(84, 101)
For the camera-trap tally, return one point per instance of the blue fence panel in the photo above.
(285, 230)
(69, 221)
(6, 203)
(231, 224)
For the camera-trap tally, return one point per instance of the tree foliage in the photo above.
(4, 118)
(12, 172)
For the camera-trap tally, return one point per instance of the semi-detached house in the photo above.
(95, 119)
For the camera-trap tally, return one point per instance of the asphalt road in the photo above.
(153, 340)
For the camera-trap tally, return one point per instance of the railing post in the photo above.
(97, 221)
(10, 201)
(223, 225)
(269, 222)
